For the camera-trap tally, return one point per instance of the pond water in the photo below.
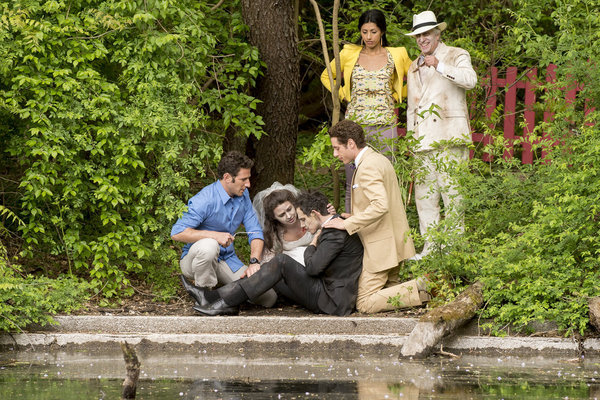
(181, 375)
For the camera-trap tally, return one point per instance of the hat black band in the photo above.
(424, 24)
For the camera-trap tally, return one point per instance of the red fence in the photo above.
(517, 92)
(493, 85)
(516, 105)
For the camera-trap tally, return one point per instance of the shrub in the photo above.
(116, 109)
(28, 300)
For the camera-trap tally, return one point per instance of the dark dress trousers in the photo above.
(329, 282)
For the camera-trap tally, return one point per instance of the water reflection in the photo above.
(215, 390)
(173, 375)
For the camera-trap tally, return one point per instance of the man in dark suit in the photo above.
(329, 282)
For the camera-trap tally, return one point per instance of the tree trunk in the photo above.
(272, 31)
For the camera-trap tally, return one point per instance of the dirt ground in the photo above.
(142, 303)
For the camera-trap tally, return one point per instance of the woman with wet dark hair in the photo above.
(276, 211)
(372, 82)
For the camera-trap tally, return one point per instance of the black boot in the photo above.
(219, 307)
(194, 291)
(232, 293)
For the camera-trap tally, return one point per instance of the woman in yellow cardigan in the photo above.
(373, 81)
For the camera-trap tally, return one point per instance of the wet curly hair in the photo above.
(270, 229)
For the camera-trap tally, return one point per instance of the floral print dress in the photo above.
(372, 102)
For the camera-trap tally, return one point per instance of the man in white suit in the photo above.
(437, 114)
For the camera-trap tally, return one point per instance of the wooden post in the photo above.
(530, 85)
(510, 105)
(333, 84)
(133, 372)
(548, 116)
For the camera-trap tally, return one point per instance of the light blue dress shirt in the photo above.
(212, 209)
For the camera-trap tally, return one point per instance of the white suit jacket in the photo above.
(447, 92)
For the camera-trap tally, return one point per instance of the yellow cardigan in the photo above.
(349, 56)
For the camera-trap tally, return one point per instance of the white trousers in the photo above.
(201, 264)
(435, 181)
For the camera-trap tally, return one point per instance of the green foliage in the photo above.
(531, 230)
(315, 162)
(319, 154)
(9, 216)
(532, 236)
(541, 256)
(117, 107)
(28, 300)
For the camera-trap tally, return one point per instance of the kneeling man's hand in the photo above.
(336, 223)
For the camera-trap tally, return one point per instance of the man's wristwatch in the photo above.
(254, 260)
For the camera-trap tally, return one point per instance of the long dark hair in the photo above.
(378, 18)
(273, 200)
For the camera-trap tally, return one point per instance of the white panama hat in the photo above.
(424, 22)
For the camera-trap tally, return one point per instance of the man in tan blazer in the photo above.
(379, 219)
(437, 114)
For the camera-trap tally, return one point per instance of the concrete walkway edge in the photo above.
(343, 336)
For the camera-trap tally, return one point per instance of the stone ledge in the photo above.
(312, 325)
(338, 345)
(340, 337)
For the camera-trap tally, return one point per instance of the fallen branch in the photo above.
(442, 321)
(447, 353)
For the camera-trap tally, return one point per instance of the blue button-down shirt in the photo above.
(212, 209)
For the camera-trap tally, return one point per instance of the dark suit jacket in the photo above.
(337, 261)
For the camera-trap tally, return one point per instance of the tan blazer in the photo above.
(378, 214)
(447, 92)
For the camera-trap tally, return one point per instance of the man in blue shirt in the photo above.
(326, 282)
(208, 228)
